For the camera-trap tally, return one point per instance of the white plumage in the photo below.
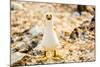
(50, 40)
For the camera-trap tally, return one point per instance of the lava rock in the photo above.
(74, 34)
(34, 44)
(36, 52)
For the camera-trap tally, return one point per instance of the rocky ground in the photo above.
(74, 24)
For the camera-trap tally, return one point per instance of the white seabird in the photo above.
(50, 42)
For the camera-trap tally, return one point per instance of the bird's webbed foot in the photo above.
(56, 56)
(45, 54)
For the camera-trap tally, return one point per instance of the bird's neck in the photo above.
(49, 26)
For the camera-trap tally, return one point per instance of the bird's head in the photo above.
(49, 16)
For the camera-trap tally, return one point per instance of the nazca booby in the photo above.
(50, 42)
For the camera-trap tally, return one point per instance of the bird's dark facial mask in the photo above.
(48, 16)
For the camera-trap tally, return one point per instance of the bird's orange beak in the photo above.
(48, 16)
